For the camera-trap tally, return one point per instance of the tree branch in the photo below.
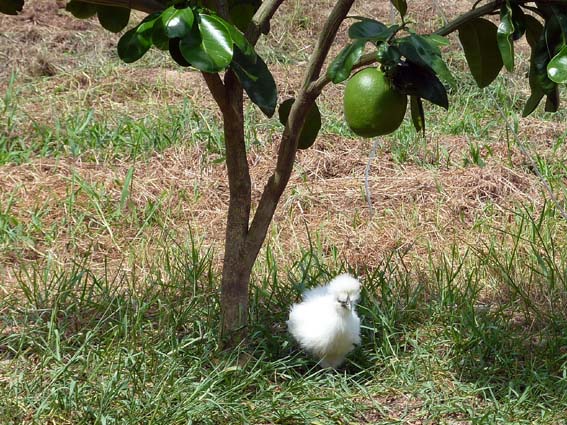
(326, 39)
(370, 58)
(148, 6)
(217, 89)
(288, 144)
(222, 8)
(261, 20)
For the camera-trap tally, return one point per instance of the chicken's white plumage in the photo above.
(325, 323)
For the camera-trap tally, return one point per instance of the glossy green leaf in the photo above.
(136, 42)
(159, 35)
(132, 46)
(552, 101)
(179, 23)
(339, 70)
(11, 7)
(417, 80)
(113, 19)
(534, 30)
(401, 6)
(311, 127)
(175, 52)
(540, 84)
(539, 60)
(366, 28)
(388, 55)
(417, 114)
(518, 21)
(212, 51)
(532, 103)
(257, 81)
(504, 37)
(479, 41)
(240, 40)
(419, 50)
(80, 10)
(557, 67)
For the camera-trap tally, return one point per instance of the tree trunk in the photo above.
(238, 263)
(237, 268)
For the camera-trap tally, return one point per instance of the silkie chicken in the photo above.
(325, 323)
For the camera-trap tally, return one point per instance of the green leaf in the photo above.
(159, 35)
(417, 80)
(437, 40)
(552, 101)
(175, 52)
(504, 37)
(81, 10)
(479, 41)
(401, 6)
(532, 103)
(539, 59)
(534, 30)
(257, 81)
(339, 70)
(11, 7)
(136, 42)
(518, 21)
(419, 50)
(241, 15)
(557, 67)
(179, 23)
(113, 19)
(417, 114)
(311, 126)
(240, 40)
(366, 28)
(540, 84)
(212, 50)
(388, 55)
(132, 46)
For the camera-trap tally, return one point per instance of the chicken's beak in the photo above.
(346, 304)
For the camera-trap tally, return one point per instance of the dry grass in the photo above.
(415, 207)
(429, 353)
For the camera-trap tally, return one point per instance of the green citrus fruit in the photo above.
(372, 106)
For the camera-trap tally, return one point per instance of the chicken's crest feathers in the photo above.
(345, 283)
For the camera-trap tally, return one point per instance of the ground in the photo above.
(113, 184)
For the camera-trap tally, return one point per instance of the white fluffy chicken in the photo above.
(325, 324)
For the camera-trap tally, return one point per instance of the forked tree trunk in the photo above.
(244, 238)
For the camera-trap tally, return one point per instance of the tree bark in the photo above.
(237, 265)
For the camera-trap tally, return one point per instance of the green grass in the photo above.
(90, 347)
(471, 333)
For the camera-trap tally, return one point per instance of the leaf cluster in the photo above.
(416, 68)
(488, 48)
(197, 37)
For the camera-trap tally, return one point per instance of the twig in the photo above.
(367, 175)
(148, 6)
(288, 144)
(261, 20)
(326, 39)
(376, 142)
(370, 58)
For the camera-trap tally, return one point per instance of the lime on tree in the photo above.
(373, 107)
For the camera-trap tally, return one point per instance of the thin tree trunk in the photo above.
(237, 264)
